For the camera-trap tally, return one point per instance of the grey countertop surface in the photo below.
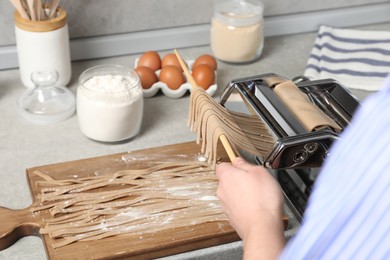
(25, 144)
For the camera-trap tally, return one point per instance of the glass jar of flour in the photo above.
(237, 30)
(110, 103)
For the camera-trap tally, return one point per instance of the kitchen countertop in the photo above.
(25, 144)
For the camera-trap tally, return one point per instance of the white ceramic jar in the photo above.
(236, 33)
(43, 46)
(110, 103)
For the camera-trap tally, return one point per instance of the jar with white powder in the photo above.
(237, 30)
(110, 103)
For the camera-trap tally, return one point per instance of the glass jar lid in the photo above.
(46, 102)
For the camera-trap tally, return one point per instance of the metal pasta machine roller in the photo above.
(303, 117)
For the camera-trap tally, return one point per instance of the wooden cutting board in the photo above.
(19, 223)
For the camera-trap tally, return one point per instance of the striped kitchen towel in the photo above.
(356, 58)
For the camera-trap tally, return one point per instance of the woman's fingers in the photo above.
(242, 164)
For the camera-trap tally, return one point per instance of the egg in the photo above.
(147, 75)
(204, 76)
(150, 59)
(172, 76)
(170, 59)
(207, 59)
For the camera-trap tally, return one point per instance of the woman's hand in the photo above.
(253, 202)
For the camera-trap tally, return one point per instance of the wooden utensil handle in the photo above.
(222, 137)
(15, 224)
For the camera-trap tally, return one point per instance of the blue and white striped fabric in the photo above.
(356, 58)
(348, 215)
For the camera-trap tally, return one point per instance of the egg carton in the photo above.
(178, 93)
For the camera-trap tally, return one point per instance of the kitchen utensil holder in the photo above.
(43, 46)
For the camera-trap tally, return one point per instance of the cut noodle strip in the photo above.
(128, 202)
(210, 120)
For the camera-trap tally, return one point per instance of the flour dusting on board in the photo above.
(129, 202)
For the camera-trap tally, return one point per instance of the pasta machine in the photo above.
(298, 152)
